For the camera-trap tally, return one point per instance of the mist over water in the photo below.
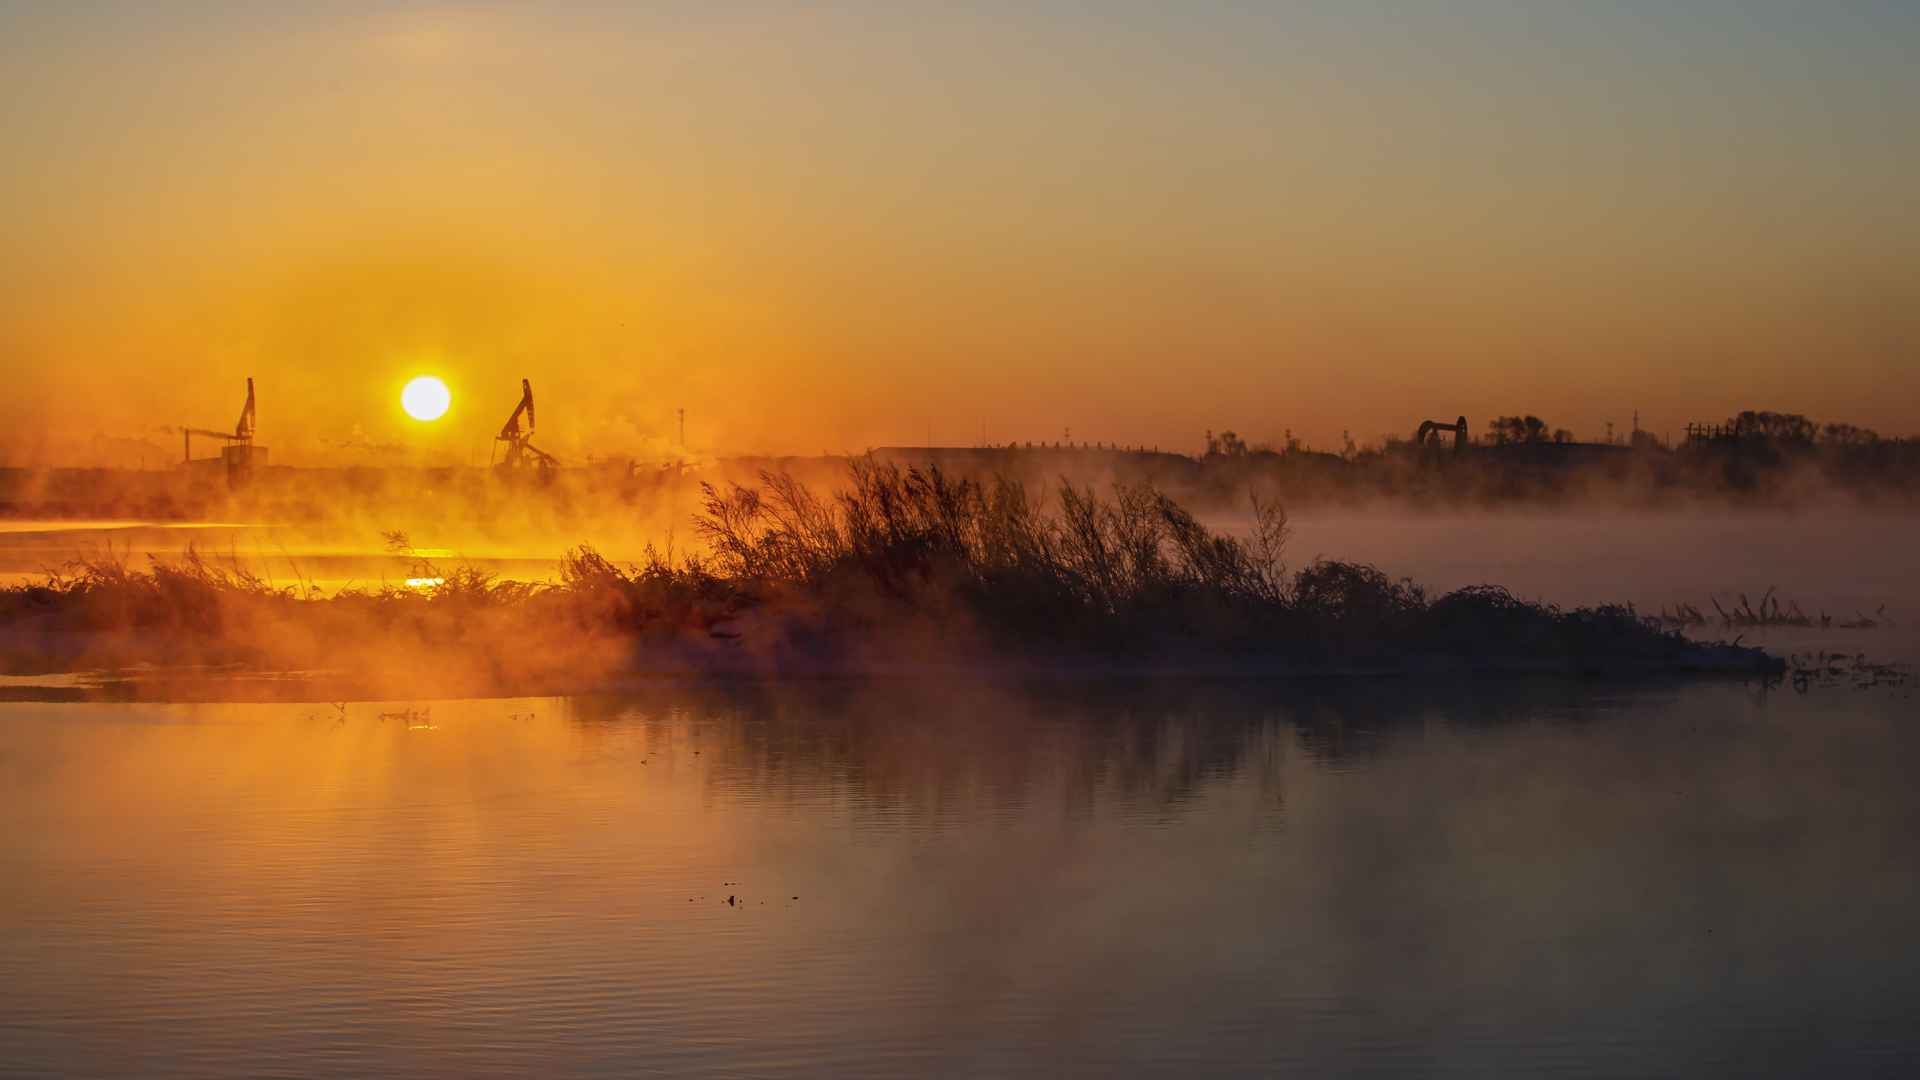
(1582, 553)
(1837, 555)
(1840, 557)
(1377, 879)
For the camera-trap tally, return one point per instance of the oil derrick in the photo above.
(239, 457)
(1430, 432)
(521, 456)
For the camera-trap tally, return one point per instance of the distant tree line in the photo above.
(1524, 430)
(1755, 429)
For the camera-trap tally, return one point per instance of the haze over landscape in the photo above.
(856, 225)
(1317, 537)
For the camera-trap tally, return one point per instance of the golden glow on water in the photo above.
(954, 881)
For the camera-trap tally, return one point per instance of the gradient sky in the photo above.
(837, 226)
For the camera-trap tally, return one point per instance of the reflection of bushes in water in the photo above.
(992, 743)
(966, 566)
(908, 747)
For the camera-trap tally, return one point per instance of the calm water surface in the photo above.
(1553, 878)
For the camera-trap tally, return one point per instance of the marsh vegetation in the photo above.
(899, 568)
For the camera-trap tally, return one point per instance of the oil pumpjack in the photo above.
(239, 457)
(1431, 432)
(521, 454)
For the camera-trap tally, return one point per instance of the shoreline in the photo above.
(1709, 662)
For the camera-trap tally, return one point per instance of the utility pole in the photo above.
(683, 426)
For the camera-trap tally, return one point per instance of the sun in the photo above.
(426, 398)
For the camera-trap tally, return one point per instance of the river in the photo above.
(855, 879)
(1383, 878)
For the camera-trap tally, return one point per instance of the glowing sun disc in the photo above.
(426, 398)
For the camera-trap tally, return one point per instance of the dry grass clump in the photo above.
(1130, 571)
(1128, 566)
(1740, 613)
(195, 594)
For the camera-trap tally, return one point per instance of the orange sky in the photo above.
(867, 225)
